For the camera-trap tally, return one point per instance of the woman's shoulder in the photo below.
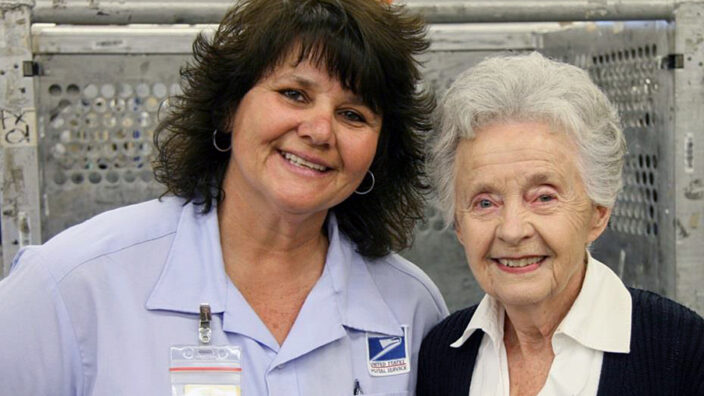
(651, 308)
(452, 327)
(103, 234)
(395, 272)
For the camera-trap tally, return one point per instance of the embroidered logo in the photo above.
(388, 355)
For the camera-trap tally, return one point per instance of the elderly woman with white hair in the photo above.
(527, 161)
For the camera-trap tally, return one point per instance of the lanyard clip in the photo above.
(204, 331)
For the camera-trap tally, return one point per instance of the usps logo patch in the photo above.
(388, 355)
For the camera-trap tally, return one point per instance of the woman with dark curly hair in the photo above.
(294, 170)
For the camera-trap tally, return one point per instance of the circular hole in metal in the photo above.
(655, 228)
(637, 174)
(151, 104)
(91, 120)
(144, 119)
(142, 90)
(647, 161)
(60, 178)
(109, 120)
(146, 176)
(655, 161)
(107, 91)
(651, 178)
(77, 178)
(102, 164)
(159, 90)
(112, 177)
(647, 229)
(651, 211)
(57, 122)
(99, 105)
(125, 91)
(120, 134)
(647, 119)
(73, 90)
(655, 196)
(117, 105)
(55, 90)
(94, 177)
(90, 91)
(134, 104)
(129, 176)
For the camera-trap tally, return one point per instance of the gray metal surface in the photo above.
(20, 220)
(97, 130)
(688, 161)
(102, 12)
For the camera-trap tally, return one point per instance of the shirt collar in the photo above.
(488, 317)
(600, 317)
(194, 273)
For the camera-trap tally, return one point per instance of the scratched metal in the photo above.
(19, 168)
(688, 161)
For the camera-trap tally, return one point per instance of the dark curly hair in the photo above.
(368, 45)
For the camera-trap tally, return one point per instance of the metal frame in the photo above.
(101, 12)
(21, 223)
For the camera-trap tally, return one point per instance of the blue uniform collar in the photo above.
(344, 296)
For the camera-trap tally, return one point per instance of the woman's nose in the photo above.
(317, 128)
(514, 226)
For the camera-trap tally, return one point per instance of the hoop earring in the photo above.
(215, 143)
(367, 191)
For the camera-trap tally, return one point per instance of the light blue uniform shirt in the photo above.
(95, 310)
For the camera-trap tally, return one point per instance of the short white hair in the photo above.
(529, 88)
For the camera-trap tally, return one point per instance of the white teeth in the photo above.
(296, 160)
(519, 262)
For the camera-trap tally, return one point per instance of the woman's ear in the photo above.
(600, 219)
(458, 229)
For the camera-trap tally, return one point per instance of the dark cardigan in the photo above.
(666, 358)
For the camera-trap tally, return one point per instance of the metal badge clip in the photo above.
(204, 331)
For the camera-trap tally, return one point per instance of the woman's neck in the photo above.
(532, 326)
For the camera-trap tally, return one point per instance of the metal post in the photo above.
(20, 210)
(689, 155)
(102, 12)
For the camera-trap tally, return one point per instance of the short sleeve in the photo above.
(39, 354)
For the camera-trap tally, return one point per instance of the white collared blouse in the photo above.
(599, 321)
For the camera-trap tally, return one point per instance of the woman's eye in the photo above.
(293, 94)
(353, 116)
(484, 204)
(546, 198)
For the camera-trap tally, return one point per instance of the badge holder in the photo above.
(204, 369)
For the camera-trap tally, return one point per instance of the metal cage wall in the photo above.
(79, 105)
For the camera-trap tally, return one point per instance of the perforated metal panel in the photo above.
(629, 62)
(97, 129)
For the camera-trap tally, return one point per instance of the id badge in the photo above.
(205, 370)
